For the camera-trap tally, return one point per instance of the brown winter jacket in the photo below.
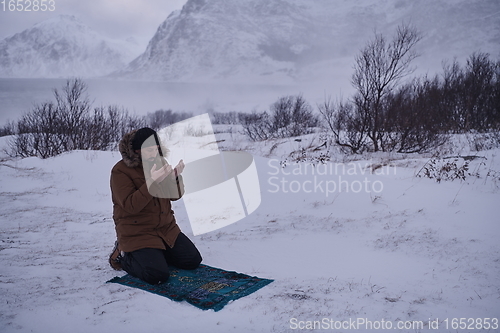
(142, 220)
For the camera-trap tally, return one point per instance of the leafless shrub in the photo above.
(256, 126)
(122, 122)
(289, 116)
(348, 126)
(419, 115)
(226, 118)
(449, 169)
(414, 121)
(8, 129)
(484, 141)
(39, 133)
(161, 118)
(70, 123)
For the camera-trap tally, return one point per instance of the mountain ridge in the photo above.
(61, 46)
(288, 39)
(279, 41)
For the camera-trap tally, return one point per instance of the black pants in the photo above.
(151, 265)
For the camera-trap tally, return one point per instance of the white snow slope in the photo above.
(62, 46)
(416, 251)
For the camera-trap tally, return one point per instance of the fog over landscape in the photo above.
(372, 128)
(298, 47)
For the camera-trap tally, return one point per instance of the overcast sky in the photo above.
(112, 18)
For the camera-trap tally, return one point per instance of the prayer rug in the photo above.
(205, 287)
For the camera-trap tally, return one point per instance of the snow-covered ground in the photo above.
(388, 247)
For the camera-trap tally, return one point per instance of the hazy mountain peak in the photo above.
(59, 47)
(245, 40)
(287, 39)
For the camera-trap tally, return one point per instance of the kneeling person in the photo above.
(149, 239)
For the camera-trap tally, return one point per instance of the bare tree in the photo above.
(73, 105)
(291, 116)
(8, 129)
(69, 123)
(38, 133)
(256, 125)
(228, 118)
(161, 118)
(478, 97)
(347, 126)
(378, 69)
(414, 114)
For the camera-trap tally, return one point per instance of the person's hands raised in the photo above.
(179, 168)
(159, 175)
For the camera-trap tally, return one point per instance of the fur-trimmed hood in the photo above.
(129, 156)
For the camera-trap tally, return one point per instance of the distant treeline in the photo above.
(420, 114)
(71, 123)
(388, 113)
(415, 116)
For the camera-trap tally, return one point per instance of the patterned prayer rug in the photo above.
(205, 287)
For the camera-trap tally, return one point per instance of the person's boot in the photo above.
(115, 258)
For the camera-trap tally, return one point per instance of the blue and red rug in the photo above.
(205, 287)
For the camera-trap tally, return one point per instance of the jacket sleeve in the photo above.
(126, 195)
(179, 187)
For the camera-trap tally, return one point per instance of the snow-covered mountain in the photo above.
(220, 39)
(268, 40)
(60, 47)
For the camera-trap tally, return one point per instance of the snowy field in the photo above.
(386, 247)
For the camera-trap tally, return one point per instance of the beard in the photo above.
(148, 163)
